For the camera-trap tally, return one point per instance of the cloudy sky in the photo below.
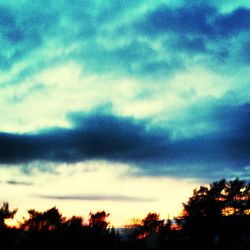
(119, 105)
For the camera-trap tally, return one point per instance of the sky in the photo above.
(122, 106)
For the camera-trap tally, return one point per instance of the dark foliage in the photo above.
(217, 215)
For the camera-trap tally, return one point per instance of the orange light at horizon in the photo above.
(142, 235)
(175, 227)
(247, 212)
(13, 223)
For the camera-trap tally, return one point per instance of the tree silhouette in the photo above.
(74, 223)
(151, 223)
(217, 211)
(237, 197)
(98, 220)
(49, 220)
(5, 213)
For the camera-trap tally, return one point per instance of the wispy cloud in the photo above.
(118, 198)
(22, 183)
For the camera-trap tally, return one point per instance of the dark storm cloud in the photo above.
(105, 137)
(94, 137)
(97, 198)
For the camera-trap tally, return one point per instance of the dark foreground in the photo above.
(86, 238)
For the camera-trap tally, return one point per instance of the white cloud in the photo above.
(51, 94)
(97, 178)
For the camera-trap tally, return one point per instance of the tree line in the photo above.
(214, 217)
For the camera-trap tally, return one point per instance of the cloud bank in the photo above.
(117, 139)
(173, 76)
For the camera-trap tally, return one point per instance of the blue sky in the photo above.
(140, 92)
